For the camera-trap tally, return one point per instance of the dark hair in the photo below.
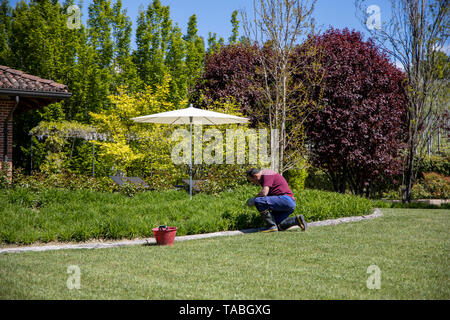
(251, 172)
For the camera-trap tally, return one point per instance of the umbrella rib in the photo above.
(174, 121)
(209, 120)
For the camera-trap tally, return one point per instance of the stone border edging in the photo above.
(376, 213)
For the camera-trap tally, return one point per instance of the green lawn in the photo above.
(411, 247)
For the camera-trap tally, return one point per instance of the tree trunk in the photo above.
(368, 189)
(408, 175)
(343, 181)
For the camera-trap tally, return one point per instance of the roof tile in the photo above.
(19, 80)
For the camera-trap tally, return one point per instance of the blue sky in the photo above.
(214, 15)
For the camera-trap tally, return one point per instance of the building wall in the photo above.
(6, 106)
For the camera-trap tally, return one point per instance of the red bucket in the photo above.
(165, 235)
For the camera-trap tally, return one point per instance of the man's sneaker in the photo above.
(301, 222)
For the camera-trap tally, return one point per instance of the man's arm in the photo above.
(264, 192)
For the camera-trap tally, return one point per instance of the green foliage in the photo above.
(318, 179)
(195, 52)
(132, 148)
(130, 189)
(235, 31)
(432, 186)
(214, 45)
(320, 205)
(4, 175)
(177, 67)
(220, 178)
(63, 180)
(152, 37)
(438, 164)
(57, 136)
(94, 60)
(5, 27)
(296, 177)
(125, 70)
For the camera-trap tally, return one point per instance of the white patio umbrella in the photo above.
(191, 116)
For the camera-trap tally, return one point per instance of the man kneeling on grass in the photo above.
(275, 202)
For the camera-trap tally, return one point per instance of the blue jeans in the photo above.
(280, 206)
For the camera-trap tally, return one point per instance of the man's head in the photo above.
(254, 176)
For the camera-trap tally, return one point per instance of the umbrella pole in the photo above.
(190, 161)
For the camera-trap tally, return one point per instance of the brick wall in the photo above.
(5, 111)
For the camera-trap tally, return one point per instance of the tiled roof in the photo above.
(11, 79)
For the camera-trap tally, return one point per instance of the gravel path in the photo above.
(149, 241)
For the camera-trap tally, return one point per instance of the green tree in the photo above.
(235, 31)
(89, 92)
(195, 52)
(41, 44)
(99, 31)
(176, 65)
(214, 45)
(36, 40)
(100, 39)
(152, 38)
(124, 70)
(5, 27)
(141, 156)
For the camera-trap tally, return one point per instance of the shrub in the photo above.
(318, 179)
(64, 180)
(4, 175)
(296, 178)
(438, 164)
(220, 178)
(319, 205)
(432, 185)
(392, 194)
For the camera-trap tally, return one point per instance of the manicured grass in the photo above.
(411, 247)
(80, 215)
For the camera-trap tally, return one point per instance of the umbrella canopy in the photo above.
(191, 116)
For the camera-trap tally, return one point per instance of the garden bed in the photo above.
(62, 215)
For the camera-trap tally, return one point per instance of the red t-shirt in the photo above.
(278, 186)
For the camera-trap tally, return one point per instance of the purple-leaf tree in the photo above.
(357, 136)
(230, 73)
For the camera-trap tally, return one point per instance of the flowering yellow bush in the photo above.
(136, 148)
